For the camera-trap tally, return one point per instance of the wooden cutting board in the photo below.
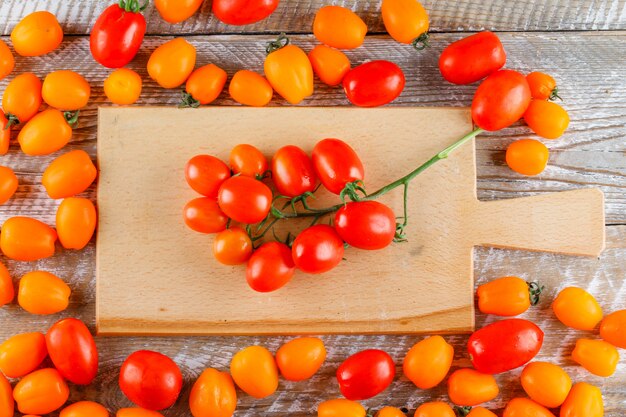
(155, 276)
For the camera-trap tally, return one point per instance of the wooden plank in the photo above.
(296, 16)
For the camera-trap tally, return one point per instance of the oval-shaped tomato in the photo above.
(504, 345)
(546, 118)
(427, 363)
(317, 249)
(137, 412)
(584, 400)
(254, 371)
(243, 12)
(204, 215)
(613, 329)
(73, 351)
(245, 199)
(366, 224)
(213, 395)
(523, 407)
(336, 164)
(123, 86)
(248, 161)
(7, 62)
(41, 292)
(500, 100)
(576, 308)
(507, 296)
(270, 267)
(340, 407)
(75, 222)
(5, 134)
(527, 156)
(365, 374)
(250, 89)
(8, 184)
(151, 380)
(7, 403)
(546, 383)
(7, 292)
(41, 392)
(22, 354)
(232, 246)
(204, 85)
(542, 86)
(84, 409)
(176, 11)
(468, 387)
(329, 64)
(65, 90)
(292, 171)
(374, 83)
(37, 34)
(205, 174)
(117, 35)
(390, 412)
(434, 409)
(45, 133)
(481, 412)
(289, 71)
(301, 358)
(597, 356)
(339, 27)
(69, 174)
(172, 62)
(26, 239)
(472, 58)
(22, 98)
(406, 21)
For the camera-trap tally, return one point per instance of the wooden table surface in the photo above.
(581, 42)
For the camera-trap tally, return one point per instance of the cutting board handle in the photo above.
(570, 222)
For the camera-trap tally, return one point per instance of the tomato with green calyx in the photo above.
(336, 164)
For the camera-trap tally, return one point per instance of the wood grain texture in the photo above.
(296, 16)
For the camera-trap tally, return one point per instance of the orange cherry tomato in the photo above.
(248, 161)
(339, 27)
(597, 356)
(576, 308)
(37, 34)
(427, 363)
(22, 354)
(84, 409)
(123, 86)
(232, 246)
(481, 412)
(7, 292)
(584, 400)
(250, 89)
(7, 404)
(613, 329)
(204, 85)
(69, 174)
(41, 292)
(300, 358)
(289, 71)
(204, 215)
(546, 383)
(542, 86)
(7, 62)
(523, 407)
(176, 11)
(527, 156)
(137, 412)
(46, 133)
(65, 90)
(26, 239)
(468, 387)
(41, 392)
(171, 63)
(8, 184)
(406, 21)
(434, 409)
(546, 118)
(22, 98)
(390, 412)
(330, 65)
(507, 296)
(340, 408)
(254, 371)
(75, 222)
(213, 395)
(5, 134)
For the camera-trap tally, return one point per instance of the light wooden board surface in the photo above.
(590, 71)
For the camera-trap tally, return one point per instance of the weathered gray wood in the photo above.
(296, 16)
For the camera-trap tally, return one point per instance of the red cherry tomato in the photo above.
(336, 164)
(504, 345)
(243, 12)
(245, 199)
(500, 100)
(205, 174)
(117, 34)
(151, 380)
(366, 224)
(472, 58)
(365, 374)
(73, 351)
(270, 267)
(247, 160)
(317, 249)
(292, 171)
(203, 215)
(374, 83)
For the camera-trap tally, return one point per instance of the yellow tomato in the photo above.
(300, 358)
(176, 11)
(481, 412)
(390, 412)
(123, 86)
(250, 89)
(546, 118)
(22, 98)
(527, 156)
(22, 354)
(468, 387)
(7, 292)
(613, 329)
(434, 409)
(330, 65)
(289, 71)
(405, 20)
(45, 133)
(26, 239)
(41, 392)
(41, 292)
(597, 356)
(546, 383)
(171, 63)
(65, 90)
(5, 134)
(75, 222)
(339, 27)
(576, 308)
(37, 34)
(84, 409)
(204, 85)
(7, 404)
(8, 184)
(7, 62)
(427, 363)
(213, 395)
(584, 400)
(69, 174)
(254, 371)
(340, 408)
(523, 407)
